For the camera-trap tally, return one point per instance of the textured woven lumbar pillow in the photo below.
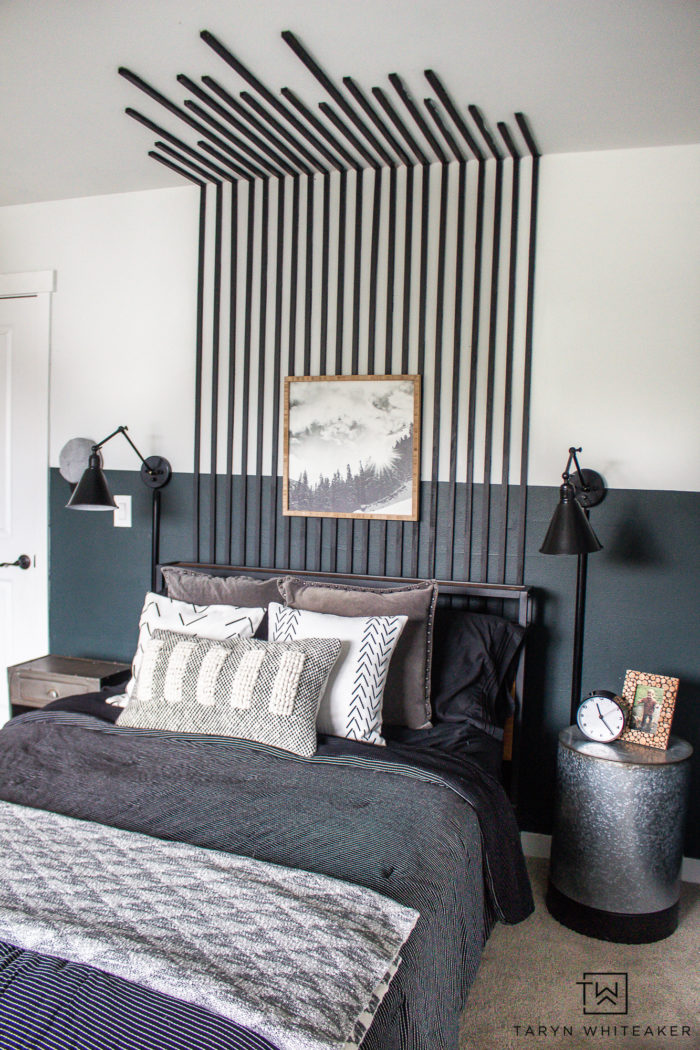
(203, 621)
(352, 703)
(243, 687)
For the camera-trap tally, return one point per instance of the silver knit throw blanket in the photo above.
(298, 957)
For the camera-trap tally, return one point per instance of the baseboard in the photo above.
(535, 845)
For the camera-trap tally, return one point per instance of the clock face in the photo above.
(600, 718)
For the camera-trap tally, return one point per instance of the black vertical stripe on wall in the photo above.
(199, 345)
(242, 524)
(276, 382)
(292, 338)
(492, 335)
(510, 342)
(531, 253)
(216, 328)
(262, 355)
(355, 259)
(232, 333)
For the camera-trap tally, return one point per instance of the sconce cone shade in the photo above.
(92, 491)
(570, 531)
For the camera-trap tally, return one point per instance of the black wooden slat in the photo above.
(510, 344)
(242, 530)
(244, 132)
(418, 118)
(364, 104)
(437, 368)
(268, 167)
(285, 133)
(292, 336)
(473, 365)
(276, 383)
(262, 90)
(374, 270)
(448, 516)
(233, 328)
(339, 323)
(244, 169)
(198, 178)
(279, 147)
(262, 349)
(325, 272)
(216, 330)
(336, 94)
(221, 175)
(175, 141)
(532, 244)
(321, 128)
(199, 344)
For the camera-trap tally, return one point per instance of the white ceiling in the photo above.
(589, 74)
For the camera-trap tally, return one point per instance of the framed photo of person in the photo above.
(651, 699)
(352, 446)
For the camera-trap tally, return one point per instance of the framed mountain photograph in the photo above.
(352, 446)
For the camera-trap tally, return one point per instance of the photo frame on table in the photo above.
(651, 699)
(352, 447)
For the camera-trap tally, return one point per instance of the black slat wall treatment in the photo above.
(380, 234)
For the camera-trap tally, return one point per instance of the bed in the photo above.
(200, 888)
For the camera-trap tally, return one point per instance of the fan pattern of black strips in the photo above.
(335, 174)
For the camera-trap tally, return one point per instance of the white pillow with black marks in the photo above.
(351, 705)
(218, 622)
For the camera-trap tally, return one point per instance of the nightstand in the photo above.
(39, 682)
(617, 843)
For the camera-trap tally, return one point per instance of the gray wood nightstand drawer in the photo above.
(48, 678)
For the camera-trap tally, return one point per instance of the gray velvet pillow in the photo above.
(263, 691)
(188, 585)
(407, 693)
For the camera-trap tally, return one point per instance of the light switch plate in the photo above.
(122, 514)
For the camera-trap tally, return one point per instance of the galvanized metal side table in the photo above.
(617, 844)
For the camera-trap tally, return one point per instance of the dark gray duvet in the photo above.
(395, 822)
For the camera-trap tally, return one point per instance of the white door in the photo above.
(24, 374)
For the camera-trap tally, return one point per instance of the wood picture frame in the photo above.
(651, 699)
(352, 447)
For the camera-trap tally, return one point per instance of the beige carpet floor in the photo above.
(527, 996)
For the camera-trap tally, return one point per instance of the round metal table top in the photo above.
(620, 751)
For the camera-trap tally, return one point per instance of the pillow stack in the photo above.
(342, 660)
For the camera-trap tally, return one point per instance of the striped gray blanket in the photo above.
(299, 957)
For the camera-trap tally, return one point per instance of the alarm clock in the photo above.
(602, 716)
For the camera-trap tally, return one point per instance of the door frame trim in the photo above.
(30, 283)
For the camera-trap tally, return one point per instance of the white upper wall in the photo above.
(123, 316)
(616, 362)
(616, 337)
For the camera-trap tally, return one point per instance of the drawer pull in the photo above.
(53, 693)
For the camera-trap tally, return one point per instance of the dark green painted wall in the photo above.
(643, 609)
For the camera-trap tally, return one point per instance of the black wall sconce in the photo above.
(570, 532)
(92, 491)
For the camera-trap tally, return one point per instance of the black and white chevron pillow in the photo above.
(203, 621)
(242, 687)
(351, 706)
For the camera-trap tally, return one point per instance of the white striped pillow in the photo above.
(201, 621)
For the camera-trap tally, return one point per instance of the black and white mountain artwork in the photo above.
(350, 447)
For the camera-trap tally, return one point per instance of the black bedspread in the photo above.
(407, 822)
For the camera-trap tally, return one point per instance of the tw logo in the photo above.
(604, 993)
